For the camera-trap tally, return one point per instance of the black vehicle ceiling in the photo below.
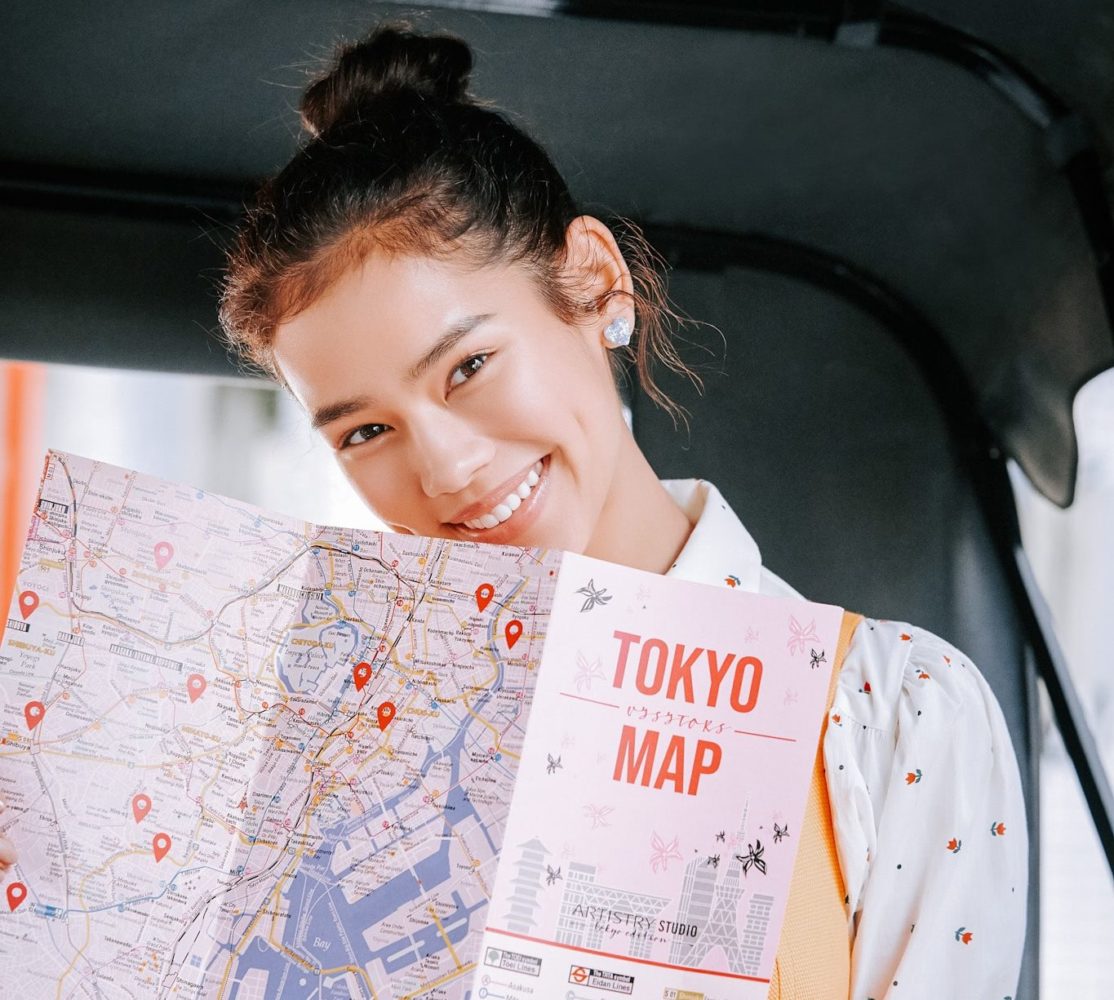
(932, 157)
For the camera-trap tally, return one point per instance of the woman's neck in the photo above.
(640, 524)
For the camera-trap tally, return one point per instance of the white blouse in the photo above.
(924, 787)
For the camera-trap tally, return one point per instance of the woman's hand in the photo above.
(8, 855)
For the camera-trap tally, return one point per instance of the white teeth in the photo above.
(509, 504)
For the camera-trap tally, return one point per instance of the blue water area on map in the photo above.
(326, 928)
(275, 964)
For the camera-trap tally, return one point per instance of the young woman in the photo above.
(419, 278)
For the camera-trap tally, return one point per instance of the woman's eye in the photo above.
(466, 369)
(362, 434)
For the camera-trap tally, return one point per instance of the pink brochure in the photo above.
(660, 797)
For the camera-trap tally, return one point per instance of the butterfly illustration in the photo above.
(552, 875)
(780, 831)
(817, 658)
(721, 837)
(713, 860)
(662, 853)
(552, 763)
(801, 635)
(753, 857)
(597, 814)
(593, 595)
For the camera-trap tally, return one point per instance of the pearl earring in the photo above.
(617, 333)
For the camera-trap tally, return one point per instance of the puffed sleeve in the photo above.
(929, 820)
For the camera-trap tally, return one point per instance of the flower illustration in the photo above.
(913, 777)
(997, 829)
(954, 845)
(801, 635)
(964, 935)
(587, 672)
(753, 857)
(593, 595)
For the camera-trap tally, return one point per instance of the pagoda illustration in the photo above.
(522, 916)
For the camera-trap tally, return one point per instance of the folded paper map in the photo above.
(247, 756)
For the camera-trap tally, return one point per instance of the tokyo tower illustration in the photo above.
(710, 899)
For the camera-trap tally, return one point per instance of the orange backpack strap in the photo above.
(813, 959)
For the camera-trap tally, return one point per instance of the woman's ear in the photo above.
(594, 258)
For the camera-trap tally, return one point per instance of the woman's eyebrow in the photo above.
(334, 411)
(446, 343)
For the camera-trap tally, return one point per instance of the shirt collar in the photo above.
(719, 550)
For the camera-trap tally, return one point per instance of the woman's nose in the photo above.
(448, 453)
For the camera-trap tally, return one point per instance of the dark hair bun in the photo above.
(391, 60)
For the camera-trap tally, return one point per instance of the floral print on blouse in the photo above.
(924, 787)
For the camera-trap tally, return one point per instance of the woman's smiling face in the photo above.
(459, 405)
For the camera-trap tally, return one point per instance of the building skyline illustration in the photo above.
(754, 934)
(580, 930)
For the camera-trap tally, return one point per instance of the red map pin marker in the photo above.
(160, 844)
(28, 601)
(141, 806)
(484, 593)
(386, 714)
(33, 712)
(164, 552)
(513, 631)
(195, 686)
(17, 893)
(361, 674)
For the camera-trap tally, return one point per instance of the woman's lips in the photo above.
(508, 503)
(486, 503)
(520, 520)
